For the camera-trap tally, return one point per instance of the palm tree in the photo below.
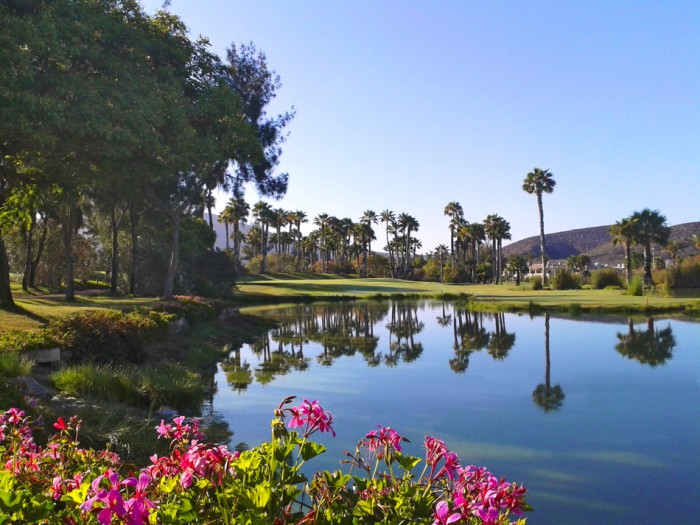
(263, 214)
(321, 220)
(408, 224)
(651, 228)
(387, 216)
(517, 264)
(297, 218)
(226, 218)
(540, 181)
(454, 211)
(368, 218)
(441, 252)
(695, 239)
(625, 232)
(497, 229)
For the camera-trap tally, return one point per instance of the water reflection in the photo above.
(546, 396)
(650, 347)
(348, 329)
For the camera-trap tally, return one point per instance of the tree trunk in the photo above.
(133, 270)
(628, 263)
(28, 256)
(174, 256)
(115, 252)
(69, 223)
(542, 248)
(39, 252)
(6, 300)
(647, 263)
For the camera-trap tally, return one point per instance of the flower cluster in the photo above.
(204, 483)
(310, 417)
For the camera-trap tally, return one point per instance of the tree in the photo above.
(578, 263)
(441, 252)
(455, 212)
(651, 228)
(624, 232)
(368, 218)
(321, 220)
(387, 217)
(540, 181)
(263, 214)
(517, 264)
(497, 229)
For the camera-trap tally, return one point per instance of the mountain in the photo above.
(596, 243)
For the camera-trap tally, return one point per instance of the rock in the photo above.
(33, 388)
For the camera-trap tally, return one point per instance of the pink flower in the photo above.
(386, 441)
(311, 417)
(443, 516)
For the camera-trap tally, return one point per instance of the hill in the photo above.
(596, 243)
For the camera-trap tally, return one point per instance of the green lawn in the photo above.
(290, 285)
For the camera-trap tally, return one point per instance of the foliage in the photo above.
(606, 277)
(192, 307)
(13, 364)
(565, 280)
(149, 386)
(109, 336)
(203, 483)
(536, 282)
(30, 340)
(636, 285)
(685, 274)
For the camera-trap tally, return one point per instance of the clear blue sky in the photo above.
(407, 105)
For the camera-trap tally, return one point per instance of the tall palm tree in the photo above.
(368, 218)
(297, 218)
(497, 229)
(651, 228)
(263, 214)
(441, 252)
(455, 212)
(387, 216)
(226, 218)
(540, 181)
(624, 232)
(321, 220)
(408, 224)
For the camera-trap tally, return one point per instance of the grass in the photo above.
(295, 288)
(36, 308)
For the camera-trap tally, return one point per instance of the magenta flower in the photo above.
(443, 516)
(311, 417)
(384, 442)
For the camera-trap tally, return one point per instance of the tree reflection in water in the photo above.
(470, 336)
(650, 347)
(546, 396)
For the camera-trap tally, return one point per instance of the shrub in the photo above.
(607, 277)
(636, 285)
(23, 341)
(536, 282)
(565, 280)
(109, 336)
(14, 364)
(686, 274)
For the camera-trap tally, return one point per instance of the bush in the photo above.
(607, 277)
(109, 336)
(14, 364)
(536, 282)
(686, 274)
(565, 280)
(23, 341)
(636, 285)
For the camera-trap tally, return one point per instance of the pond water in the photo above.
(600, 420)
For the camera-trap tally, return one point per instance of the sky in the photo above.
(408, 105)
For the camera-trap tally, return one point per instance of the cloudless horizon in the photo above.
(408, 105)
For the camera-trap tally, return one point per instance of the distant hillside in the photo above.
(595, 242)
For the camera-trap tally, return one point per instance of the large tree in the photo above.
(651, 229)
(540, 181)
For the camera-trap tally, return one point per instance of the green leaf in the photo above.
(310, 450)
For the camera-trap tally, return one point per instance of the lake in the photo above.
(599, 419)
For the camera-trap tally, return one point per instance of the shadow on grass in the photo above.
(20, 310)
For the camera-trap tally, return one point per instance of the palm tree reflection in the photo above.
(546, 396)
(650, 347)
